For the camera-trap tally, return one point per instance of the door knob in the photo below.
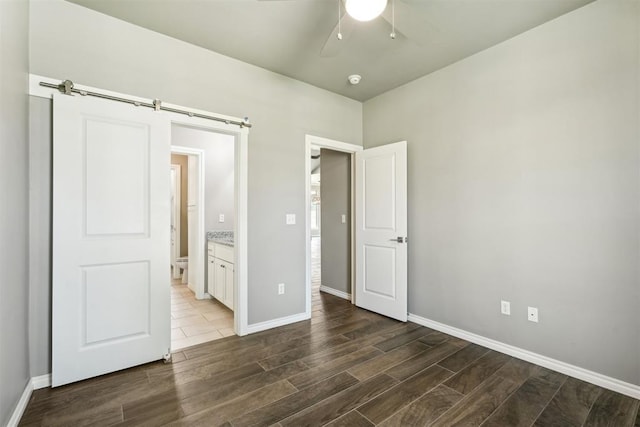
(399, 239)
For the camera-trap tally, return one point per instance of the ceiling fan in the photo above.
(403, 22)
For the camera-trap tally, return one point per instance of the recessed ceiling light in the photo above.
(354, 79)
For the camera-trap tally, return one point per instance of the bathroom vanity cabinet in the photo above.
(221, 273)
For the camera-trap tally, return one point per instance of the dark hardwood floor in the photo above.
(344, 367)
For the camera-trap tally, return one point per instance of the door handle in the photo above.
(399, 239)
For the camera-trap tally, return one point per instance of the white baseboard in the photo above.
(43, 381)
(270, 324)
(335, 292)
(34, 383)
(631, 390)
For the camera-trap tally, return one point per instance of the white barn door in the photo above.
(381, 230)
(111, 217)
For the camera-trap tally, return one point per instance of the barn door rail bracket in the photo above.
(67, 87)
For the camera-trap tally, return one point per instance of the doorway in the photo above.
(329, 218)
(206, 159)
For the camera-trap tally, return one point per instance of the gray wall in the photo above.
(14, 210)
(335, 193)
(219, 167)
(111, 54)
(524, 181)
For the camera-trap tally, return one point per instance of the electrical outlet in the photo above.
(280, 288)
(290, 219)
(344, 219)
(221, 218)
(505, 307)
(532, 314)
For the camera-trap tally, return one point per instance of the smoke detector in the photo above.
(354, 79)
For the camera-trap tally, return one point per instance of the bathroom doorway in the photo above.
(199, 312)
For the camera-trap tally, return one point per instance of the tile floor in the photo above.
(196, 321)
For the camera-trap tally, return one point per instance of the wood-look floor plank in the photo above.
(217, 394)
(571, 404)
(401, 339)
(302, 351)
(350, 419)
(295, 402)
(638, 419)
(216, 415)
(373, 328)
(519, 371)
(326, 356)
(473, 375)
(613, 410)
(341, 403)
(319, 373)
(379, 363)
(426, 409)
(160, 418)
(523, 407)
(474, 408)
(464, 357)
(435, 338)
(109, 415)
(421, 361)
(89, 405)
(396, 398)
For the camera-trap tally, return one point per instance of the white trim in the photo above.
(177, 212)
(21, 405)
(43, 381)
(344, 147)
(335, 292)
(604, 381)
(241, 180)
(34, 383)
(282, 321)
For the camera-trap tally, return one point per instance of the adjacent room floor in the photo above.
(344, 367)
(196, 321)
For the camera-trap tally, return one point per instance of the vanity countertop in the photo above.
(221, 237)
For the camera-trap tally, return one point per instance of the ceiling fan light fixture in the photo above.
(365, 10)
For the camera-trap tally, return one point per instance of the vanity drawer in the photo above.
(224, 252)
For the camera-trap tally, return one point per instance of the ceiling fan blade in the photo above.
(333, 45)
(412, 24)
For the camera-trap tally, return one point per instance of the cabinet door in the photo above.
(229, 288)
(220, 277)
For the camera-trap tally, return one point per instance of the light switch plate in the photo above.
(344, 219)
(291, 219)
(505, 307)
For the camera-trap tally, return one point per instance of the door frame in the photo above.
(200, 284)
(345, 147)
(177, 212)
(241, 134)
(241, 162)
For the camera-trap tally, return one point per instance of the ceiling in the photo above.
(290, 36)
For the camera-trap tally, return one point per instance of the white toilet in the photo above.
(183, 264)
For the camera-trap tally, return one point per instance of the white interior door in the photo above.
(111, 210)
(381, 230)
